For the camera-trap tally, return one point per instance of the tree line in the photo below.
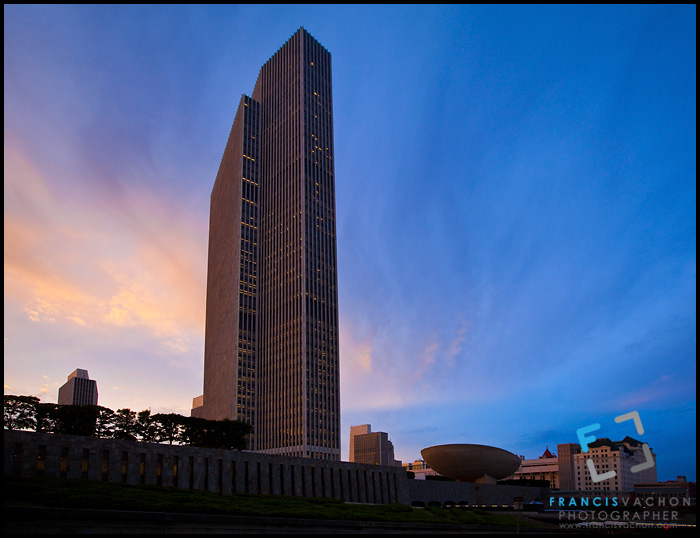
(29, 413)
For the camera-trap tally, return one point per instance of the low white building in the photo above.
(546, 467)
(420, 469)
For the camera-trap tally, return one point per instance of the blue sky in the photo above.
(515, 210)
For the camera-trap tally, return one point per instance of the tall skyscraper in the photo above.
(79, 389)
(271, 345)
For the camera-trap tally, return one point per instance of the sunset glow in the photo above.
(515, 194)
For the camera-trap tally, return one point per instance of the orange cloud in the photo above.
(80, 260)
(364, 383)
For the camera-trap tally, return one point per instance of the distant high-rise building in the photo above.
(271, 341)
(567, 466)
(78, 390)
(371, 447)
(362, 429)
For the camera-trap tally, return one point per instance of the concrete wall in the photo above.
(228, 471)
(225, 471)
(487, 495)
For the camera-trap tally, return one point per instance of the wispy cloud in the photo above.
(91, 268)
(457, 342)
(657, 394)
(92, 281)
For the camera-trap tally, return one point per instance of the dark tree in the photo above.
(194, 431)
(27, 412)
(68, 419)
(146, 427)
(226, 434)
(169, 427)
(46, 417)
(20, 412)
(106, 422)
(232, 434)
(125, 426)
(76, 419)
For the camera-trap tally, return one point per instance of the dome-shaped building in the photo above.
(471, 463)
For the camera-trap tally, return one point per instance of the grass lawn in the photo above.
(84, 494)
